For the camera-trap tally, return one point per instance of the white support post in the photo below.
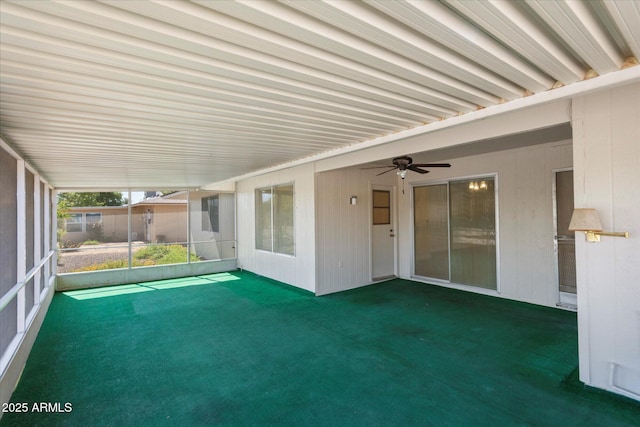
(47, 233)
(37, 238)
(53, 238)
(130, 251)
(21, 208)
(188, 226)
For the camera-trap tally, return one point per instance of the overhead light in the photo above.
(588, 220)
(475, 186)
(402, 173)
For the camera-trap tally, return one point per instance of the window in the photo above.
(74, 223)
(455, 232)
(79, 222)
(381, 207)
(274, 219)
(93, 218)
(283, 220)
(211, 213)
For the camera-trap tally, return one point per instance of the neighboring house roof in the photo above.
(160, 200)
(98, 208)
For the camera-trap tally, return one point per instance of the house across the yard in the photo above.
(160, 219)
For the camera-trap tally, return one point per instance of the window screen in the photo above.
(211, 213)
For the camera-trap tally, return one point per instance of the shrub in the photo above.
(94, 231)
(159, 254)
(90, 242)
(150, 255)
(68, 245)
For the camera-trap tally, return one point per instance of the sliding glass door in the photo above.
(455, 232)
(472, 217)
(431, 228)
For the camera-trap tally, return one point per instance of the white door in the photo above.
(565, 239)
(383, 233)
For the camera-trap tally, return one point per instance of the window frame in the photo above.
(278, 242)
(80, 222)
(381, 207)
(86, 218)
(496, 222)
(210, 207)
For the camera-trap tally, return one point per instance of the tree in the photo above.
(70, 200)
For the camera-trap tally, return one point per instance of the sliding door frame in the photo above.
(449, 283)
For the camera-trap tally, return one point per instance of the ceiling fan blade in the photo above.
(432, 165)
(417, 169)
(377, 167)
(381, 173)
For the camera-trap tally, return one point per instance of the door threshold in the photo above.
(568, 300)
(379, 279)
(567, 306)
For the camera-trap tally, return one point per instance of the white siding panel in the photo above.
(525, 223)
(525, 216)
(344, 229)
(298, 270)
(606, 176)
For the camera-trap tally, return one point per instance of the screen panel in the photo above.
(9, 246)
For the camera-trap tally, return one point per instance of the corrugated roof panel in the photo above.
(182, 94)
(578, 26)
(508, 22)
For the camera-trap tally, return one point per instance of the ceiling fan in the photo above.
(403, 164)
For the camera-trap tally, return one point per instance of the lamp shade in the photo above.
(585, 219)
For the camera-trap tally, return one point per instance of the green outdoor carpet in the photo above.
(237, 349)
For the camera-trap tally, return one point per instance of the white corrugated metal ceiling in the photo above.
(180, 94)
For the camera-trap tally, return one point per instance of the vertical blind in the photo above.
(455, 232)
(431, 228)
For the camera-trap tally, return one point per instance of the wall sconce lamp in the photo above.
(353, 200)
(588, 220)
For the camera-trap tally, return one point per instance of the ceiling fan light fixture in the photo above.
(403, 164)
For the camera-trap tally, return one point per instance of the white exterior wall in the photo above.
(524, 177)
(606, 177)
(344, 230)
(527, 267)
(525, 228)
(298, 270)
